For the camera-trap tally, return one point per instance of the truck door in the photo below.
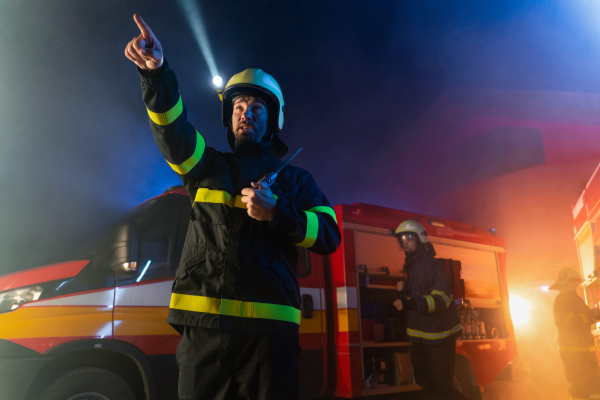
(142, 301)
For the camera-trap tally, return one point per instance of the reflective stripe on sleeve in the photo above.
(312, 230)
(312, 224)
(325, 210)
(430, 303)
(443, 295)
(433, 335)
(235, 308)
(168, 117)
(191, 162)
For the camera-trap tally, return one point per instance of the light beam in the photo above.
(192, 12)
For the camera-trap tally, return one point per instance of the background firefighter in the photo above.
(575, 341)
(235, 298)
(431, 317)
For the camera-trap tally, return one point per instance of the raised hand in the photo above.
(145, 50)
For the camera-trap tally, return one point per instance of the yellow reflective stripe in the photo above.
(573, 349)
(191, 162)
(433, 335)
(443, 295)
(204, 195)
(168, 117)
(195, 303)
(312, 230)
(430, 303)
(235, 308)
(237, 202)
(595, 396)
(326, 210)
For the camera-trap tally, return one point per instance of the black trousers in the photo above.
(433, 366)
(219, 365)
(582, 373)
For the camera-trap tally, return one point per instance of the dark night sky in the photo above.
(76, 149)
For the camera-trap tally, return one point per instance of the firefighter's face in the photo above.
(249, 119)
(408, 242)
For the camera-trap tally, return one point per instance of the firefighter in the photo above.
(235, 298)
(575, 341)
(432, 320)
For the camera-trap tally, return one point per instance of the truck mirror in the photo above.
(123, 260)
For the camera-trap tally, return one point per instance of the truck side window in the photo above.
(156, 244)
(158, 240)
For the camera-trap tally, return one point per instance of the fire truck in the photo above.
(95, 327)
(586, 212)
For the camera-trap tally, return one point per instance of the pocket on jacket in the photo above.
(189, 264)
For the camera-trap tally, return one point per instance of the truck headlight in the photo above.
(12, 299)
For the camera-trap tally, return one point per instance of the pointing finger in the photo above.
(144, 28)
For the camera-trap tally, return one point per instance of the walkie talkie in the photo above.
(270, 178)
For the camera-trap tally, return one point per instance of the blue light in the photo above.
(143, 271)
(61, 285)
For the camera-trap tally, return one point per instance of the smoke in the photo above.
(382, 96)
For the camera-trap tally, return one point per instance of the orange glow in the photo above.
(519, 310)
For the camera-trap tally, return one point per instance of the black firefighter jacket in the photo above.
(432, 317)
(573, 319)
(236, 273)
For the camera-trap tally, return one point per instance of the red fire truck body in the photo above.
(586, 215)
(80, 322)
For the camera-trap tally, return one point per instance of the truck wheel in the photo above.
(89, 384)
(463, 384)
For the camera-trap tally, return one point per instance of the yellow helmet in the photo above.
(413, 226)
(255, 80)
(565, 275)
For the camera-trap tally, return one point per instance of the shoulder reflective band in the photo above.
(168, 117)
(235, 308)
(191, 162)
(433, 335)
(430, 303)
(577, 349)
(312, 224)
(443, 295)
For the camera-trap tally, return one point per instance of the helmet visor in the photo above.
(404, 237)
